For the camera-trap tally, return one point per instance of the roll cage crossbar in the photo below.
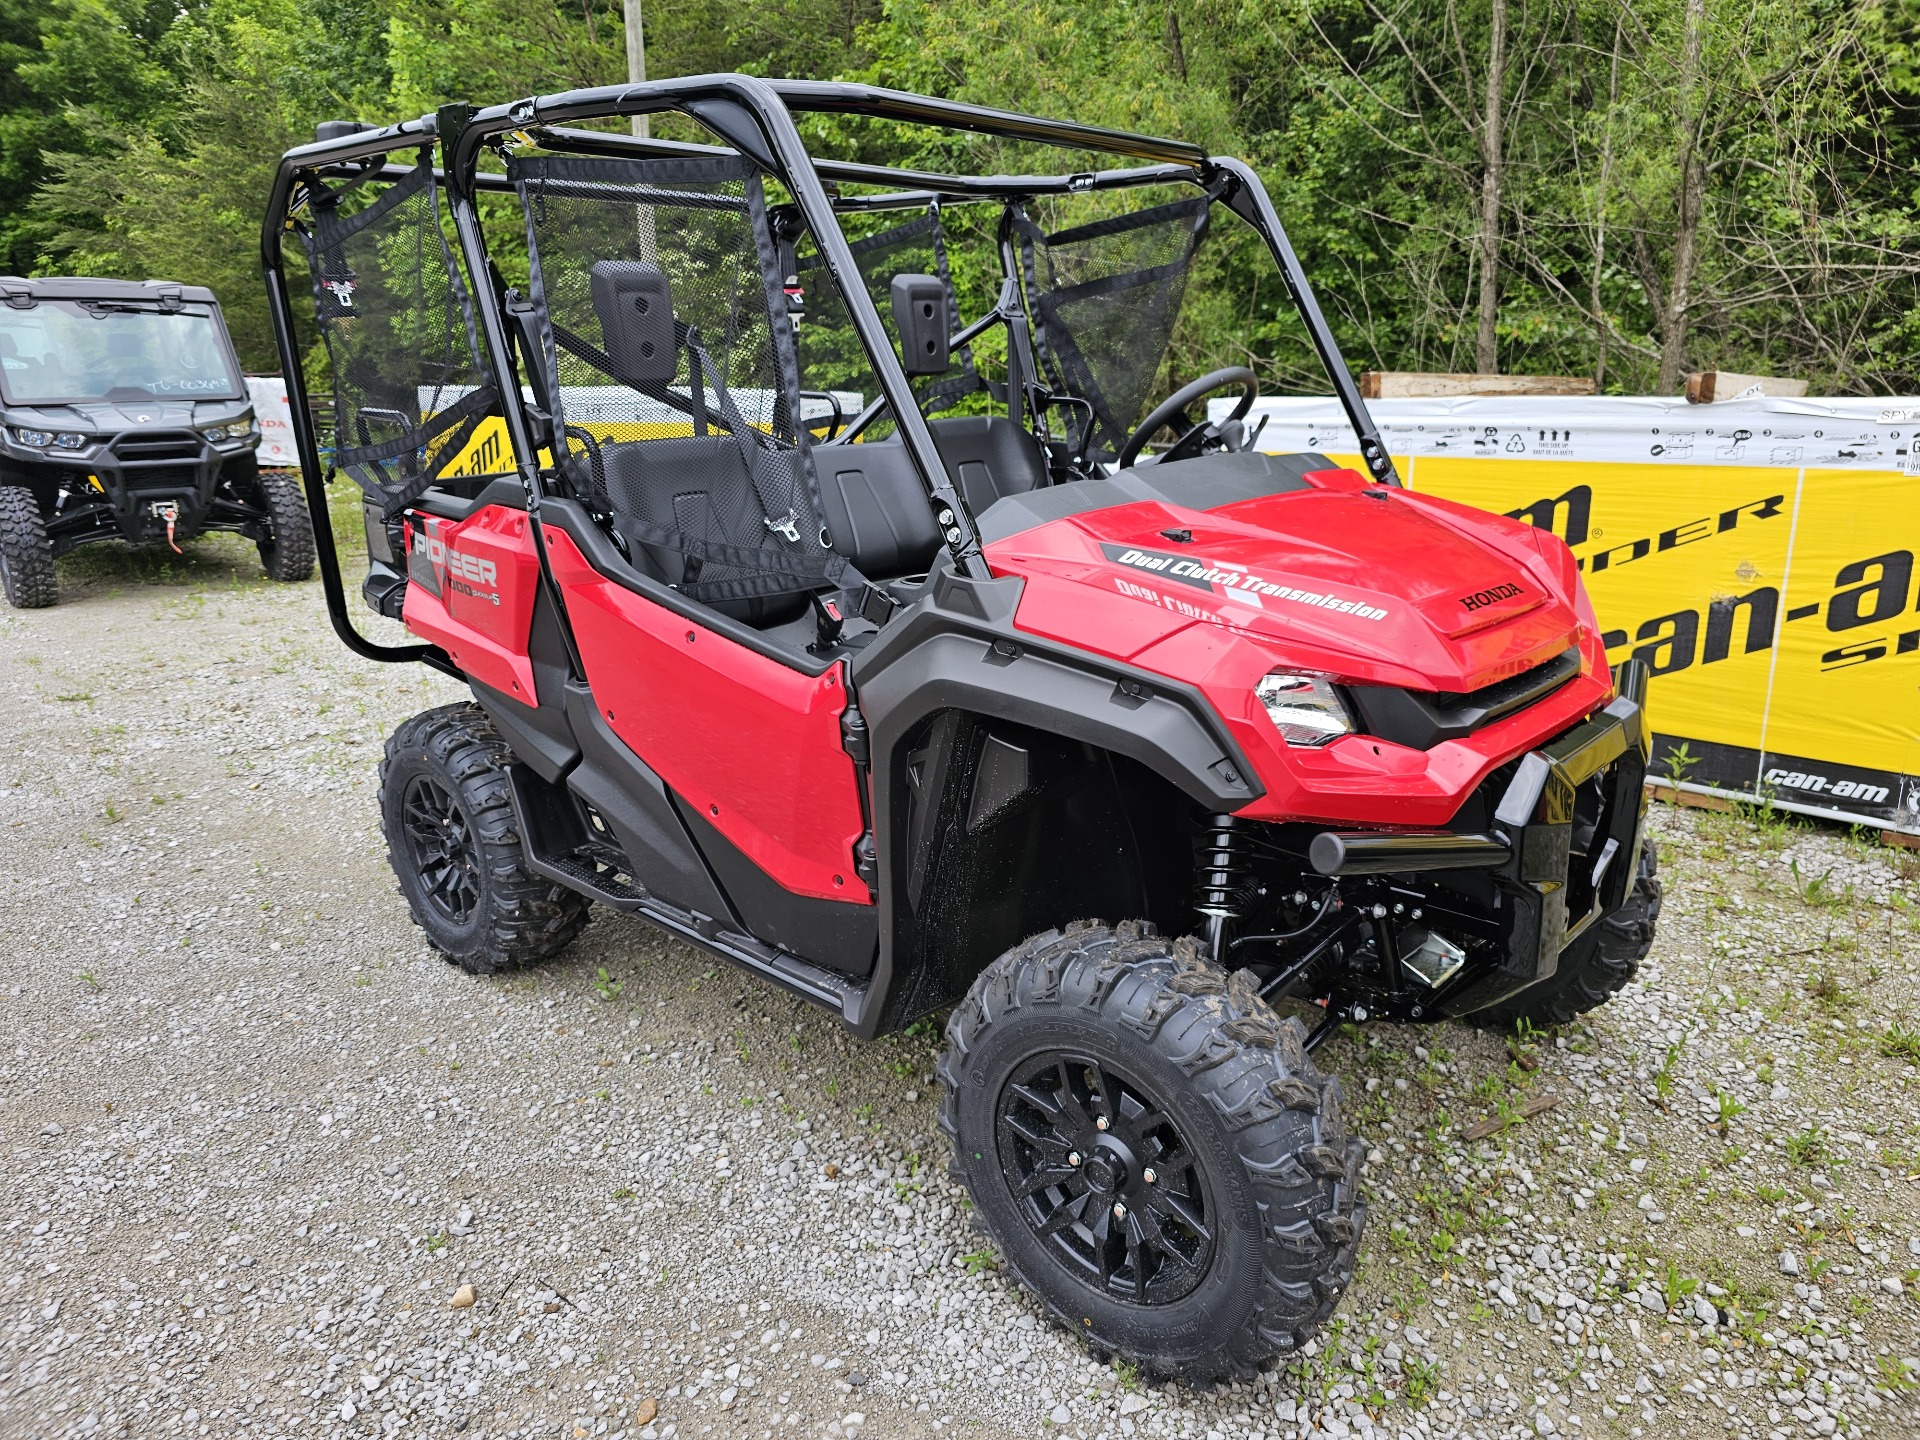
(755, 117)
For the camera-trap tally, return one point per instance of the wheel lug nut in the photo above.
(1149, 1176)
(1073, 1157)
(1102, 1123)
(1119, 1211)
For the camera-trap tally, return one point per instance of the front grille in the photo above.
(161, 477)
(1503, 697)
(154, 445)
(1423, 720)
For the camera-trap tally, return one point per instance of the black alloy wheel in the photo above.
(440, 844)
(446, 810)
(1104, 1178)
(1152, 1150)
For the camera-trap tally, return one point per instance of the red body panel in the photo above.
(487, 576)
(753, 744)
(1296, 580)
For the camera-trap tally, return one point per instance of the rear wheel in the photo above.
(1595, 967)
(288, 554)
(26, 559)
(448, 816)
(1152, 1150)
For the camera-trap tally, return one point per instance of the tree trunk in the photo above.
(1601, 328)
(1176, 52)
(1689, 202)
(1486, 356)
(637, 61)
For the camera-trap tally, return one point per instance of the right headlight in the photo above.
(1305, 709)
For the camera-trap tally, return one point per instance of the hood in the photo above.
(111, 417)
(1366, 583)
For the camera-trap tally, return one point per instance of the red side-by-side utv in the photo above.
(846, 584)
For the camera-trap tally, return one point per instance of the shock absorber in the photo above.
(1223, 878)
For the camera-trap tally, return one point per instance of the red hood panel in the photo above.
(1369, 586)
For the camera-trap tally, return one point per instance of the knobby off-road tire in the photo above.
(289, 554)
(26, 559)
(453, 843)
(1595, 967)
(1202, 1083)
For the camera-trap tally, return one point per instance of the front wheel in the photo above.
(288, 554)
(1152, 1150)
(451, 836)
(26, 559)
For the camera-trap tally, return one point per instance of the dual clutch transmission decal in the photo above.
(1231, 582)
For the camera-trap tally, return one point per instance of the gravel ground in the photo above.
(272, 1168)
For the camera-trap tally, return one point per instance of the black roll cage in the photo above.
(755, 117)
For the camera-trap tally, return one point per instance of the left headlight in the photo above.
(1305, 709)
(71, 440)
(239, 429)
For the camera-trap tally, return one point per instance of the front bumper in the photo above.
(1562, 850)
(106, 495)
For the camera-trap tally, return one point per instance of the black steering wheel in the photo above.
(1198, 436)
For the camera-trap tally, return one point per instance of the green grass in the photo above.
(1809, 1147)
(980, 1261)
(1900, 1043)
(1677, 1287)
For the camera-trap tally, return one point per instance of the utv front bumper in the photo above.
(126, 487)
(1562, 850)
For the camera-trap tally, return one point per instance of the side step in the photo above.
(555, 849)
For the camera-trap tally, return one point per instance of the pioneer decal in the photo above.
(1231, 582)
(1492, 595)
(466, 574)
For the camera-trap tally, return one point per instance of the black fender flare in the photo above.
(956, 648)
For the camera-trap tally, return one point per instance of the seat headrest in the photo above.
(7, 348)
(635, 306)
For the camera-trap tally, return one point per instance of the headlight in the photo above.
(71, 440)
(1305, 709)
(33, 437)
(239, 429)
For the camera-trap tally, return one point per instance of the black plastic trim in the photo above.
(635, 803)
(1423, 720)
(838, 934)
(1206, 482)
(956, 648)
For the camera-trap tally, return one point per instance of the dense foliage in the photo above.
(1627, 189)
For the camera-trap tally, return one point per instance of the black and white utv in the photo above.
(124, 416)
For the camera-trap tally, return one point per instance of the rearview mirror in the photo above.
(920, 317)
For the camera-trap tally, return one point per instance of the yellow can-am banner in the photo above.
(1758, 555)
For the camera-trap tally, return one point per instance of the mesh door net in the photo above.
(1105, 297)
(664, 322)
(916, 248)
(409, 384)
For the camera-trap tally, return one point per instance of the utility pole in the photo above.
(637, 60)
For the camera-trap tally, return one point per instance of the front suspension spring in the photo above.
(1224, 883)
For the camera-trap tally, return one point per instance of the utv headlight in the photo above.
(37, 438)
(70, 440)
(1305, 709)
(239, 429)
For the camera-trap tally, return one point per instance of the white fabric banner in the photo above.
(269, 394)
(1842, 434)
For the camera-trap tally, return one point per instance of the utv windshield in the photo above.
(62, 352)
